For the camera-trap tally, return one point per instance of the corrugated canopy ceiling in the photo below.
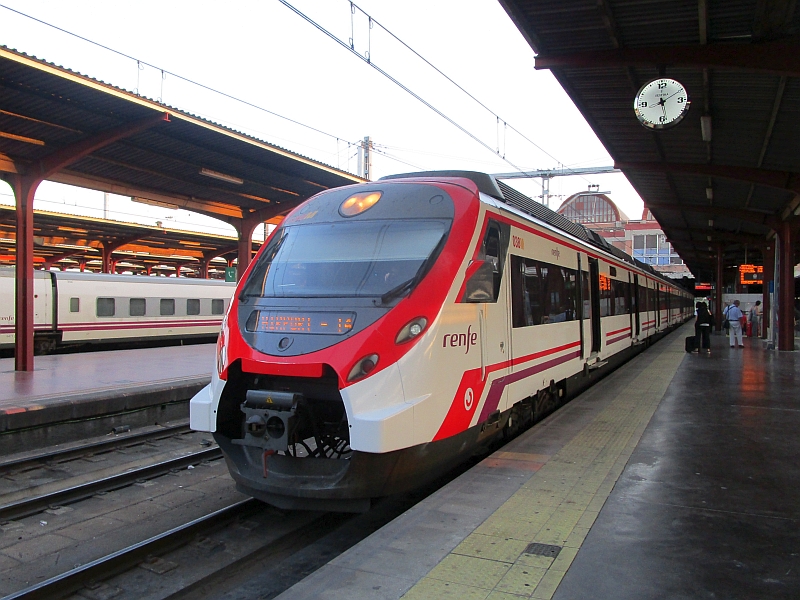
(46, 109)
(740, 63)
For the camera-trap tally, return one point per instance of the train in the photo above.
(388, 331)
(73, 308)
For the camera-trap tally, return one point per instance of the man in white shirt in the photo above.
(734, 316)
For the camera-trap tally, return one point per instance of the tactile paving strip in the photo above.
(511, 554)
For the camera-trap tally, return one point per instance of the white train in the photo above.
(387, 330)
(78, 308)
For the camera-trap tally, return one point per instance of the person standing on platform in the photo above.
(702, 328)
(734, 316)
(755, 319)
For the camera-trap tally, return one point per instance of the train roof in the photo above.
(491, 186)
(76, 275)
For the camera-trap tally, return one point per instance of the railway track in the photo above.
(72, 452)
(73, 580)
(35, 504)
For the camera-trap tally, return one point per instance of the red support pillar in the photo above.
(769, 274)
(82, 265)
(149, 269)
(786, 283)
(24, 191)
(245, 254)
(719, 287)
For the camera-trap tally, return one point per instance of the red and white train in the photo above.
(79, 308)
(388, 330)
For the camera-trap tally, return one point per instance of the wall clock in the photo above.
(661, 103)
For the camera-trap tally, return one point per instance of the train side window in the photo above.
(621, 293)
(542, 293)
(587, 302)
(106, 307)
(137, 307)
(167, 306)
(74, 305)
(485, 274)
(217, 306)
(606, 296)
(192, 306)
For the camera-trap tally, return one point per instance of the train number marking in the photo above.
(469, 397)
(556, 252)
(455, 340)
(517, 242)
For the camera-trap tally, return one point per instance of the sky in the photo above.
(299, 89)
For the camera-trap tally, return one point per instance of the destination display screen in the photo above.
(332, 323)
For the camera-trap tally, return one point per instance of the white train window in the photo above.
(106, 307)
(192, 306)
(74, 305)
(137, 307)
(167, 306)
(217, 306)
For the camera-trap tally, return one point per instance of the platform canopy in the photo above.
(727, 177)
(725, 181)
(61, 126)
(101, 245)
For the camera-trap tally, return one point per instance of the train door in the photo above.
(657, 291)
(594, 279)
(495, 320)
(635, 308)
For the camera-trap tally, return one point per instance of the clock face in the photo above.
(661, 103)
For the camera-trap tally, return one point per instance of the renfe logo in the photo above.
(454, 340)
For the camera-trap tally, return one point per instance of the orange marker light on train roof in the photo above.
(358, 203)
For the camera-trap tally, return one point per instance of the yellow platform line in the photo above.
(557, 506)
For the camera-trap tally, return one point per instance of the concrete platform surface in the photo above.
(80, 385)
(674, 477)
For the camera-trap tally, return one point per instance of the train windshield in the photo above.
(351, 259)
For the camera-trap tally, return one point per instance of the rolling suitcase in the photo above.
(691, 343)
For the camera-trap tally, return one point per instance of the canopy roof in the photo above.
(740, 62)
(166, 156)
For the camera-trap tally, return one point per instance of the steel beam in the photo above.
(786, 281)
(719, 285)
(769, 274)
(783, 180)
(778, 58)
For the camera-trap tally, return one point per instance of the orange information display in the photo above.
(605, 283)
(271, 321)
(751, 274)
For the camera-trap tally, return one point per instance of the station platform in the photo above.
(673, 477)
(83, 386)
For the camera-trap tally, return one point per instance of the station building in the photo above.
(643, 239)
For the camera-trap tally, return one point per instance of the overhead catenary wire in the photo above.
(443, 74)
(371, 63)
(165, 72)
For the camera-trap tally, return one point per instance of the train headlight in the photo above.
(222, 349)
(358, 203)
(411, 330)
(363, 367)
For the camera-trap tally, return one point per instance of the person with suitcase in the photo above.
(702, 329)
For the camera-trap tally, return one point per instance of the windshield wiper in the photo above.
(398, 290)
